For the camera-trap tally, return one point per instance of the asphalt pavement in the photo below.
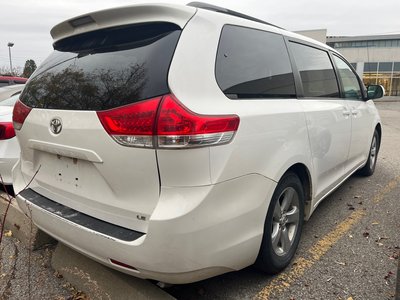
(26, 274)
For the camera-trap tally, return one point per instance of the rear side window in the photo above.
(253, 64)
(316, 71)
(105, 69)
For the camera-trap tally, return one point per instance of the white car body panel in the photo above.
(329, 130)
(231, 229)
(183, 201)
(9, 149)
(363, 115)
(231, 161)
(177, 14)
(70, 182)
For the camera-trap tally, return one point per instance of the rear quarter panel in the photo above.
(272, 134)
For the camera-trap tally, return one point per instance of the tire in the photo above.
(276, 251)
(369, 167)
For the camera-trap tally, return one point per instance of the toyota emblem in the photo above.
(55, 125)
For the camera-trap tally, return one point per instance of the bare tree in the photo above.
(16, 71)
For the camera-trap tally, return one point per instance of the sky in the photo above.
(27, 23)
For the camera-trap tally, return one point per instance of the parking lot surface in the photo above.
(28, 274)
(349, 248)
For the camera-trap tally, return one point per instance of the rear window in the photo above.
(253, 64)
(105, 69)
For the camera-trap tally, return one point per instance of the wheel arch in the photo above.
(378, 127)
(304, 175)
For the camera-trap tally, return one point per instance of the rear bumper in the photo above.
(194, 232)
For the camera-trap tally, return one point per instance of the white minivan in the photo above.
(177, 143)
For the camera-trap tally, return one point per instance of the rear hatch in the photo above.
(67, 148)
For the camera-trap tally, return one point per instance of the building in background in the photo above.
(376, 58)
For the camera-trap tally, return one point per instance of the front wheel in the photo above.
(369, 167)
(283, 225)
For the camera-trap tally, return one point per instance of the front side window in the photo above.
(350, 84)
(316, 71)
(253, 64)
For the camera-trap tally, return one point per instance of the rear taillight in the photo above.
(164, 122)
(20, 112)
(6, 130)
(178, 127)
(132, 125)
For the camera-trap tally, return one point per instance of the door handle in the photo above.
(346, 113)
(354, 111)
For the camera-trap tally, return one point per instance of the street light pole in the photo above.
(10, 44)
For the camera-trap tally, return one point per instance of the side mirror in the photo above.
(375, 91)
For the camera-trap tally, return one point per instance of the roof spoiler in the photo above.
(119, 16)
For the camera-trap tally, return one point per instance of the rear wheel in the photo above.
(283, 225)
(369, 167)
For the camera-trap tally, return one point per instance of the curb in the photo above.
(100, 282)
(387, 99)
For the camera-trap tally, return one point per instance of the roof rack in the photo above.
(228, 12)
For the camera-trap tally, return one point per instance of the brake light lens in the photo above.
(178, 127)
(164, 122)
(132, 125)
(20, 112)
(6, 130)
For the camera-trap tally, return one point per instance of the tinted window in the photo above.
(385, 67)
(105, 69)
(253, 64)
(350, 84)
(370, 67)
(316, 71)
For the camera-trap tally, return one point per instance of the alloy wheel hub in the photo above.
(283, 220)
